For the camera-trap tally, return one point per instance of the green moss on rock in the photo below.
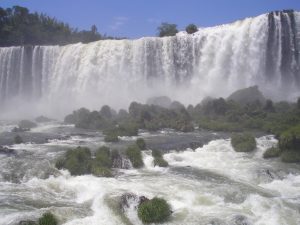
(48, 219)
(158, 159)
(156, 210)
(243, 142)
(272, 152)
(135, 156)
(290, 156)
(141, 143)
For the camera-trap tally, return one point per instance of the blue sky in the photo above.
(137, 18)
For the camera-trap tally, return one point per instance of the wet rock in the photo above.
(131, 200)
(6, 151)
(119, 161)
(19, 129)
(240, 220)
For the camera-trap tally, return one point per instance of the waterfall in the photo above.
(215, 61)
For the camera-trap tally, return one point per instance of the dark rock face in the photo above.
(129, 199)
(6, 151)
(247, 95)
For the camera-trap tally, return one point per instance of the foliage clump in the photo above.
(158, 159)
(79, 161)
(167, 29)
(191, 28)
(243, 142)
(272, 152)
(135, 156)
(156, 210)
(140, 142)
(48, 219)
(27, 124)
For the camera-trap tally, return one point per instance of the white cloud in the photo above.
(118, 22)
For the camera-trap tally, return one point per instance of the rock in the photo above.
(129, 199)
(247, 95)
(27, 124)
(6, 151)
(18, 129)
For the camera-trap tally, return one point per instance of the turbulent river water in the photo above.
(210, 185)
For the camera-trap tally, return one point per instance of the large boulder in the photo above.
(247, 96)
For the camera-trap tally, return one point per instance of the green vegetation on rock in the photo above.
(243, 142)
(48, 219)
(158, 159)
(156, 210)
(272, 152)
(140, 142)
(135, 156)
(191, 28)
(79, 161)
(167, 29)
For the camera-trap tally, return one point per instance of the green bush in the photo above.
(99, 171)
(290, 139)
(290, 156)
(102, 157)
(191, 28)
(156, 210)
(243, 142)
(141, 143)
(77, 161)
(272, 153)
(135, 156)
(18, 139)
(160, 162)
(158, 159)
(48, 219)
(167, 29)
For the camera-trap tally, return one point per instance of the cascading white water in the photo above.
(214, 61)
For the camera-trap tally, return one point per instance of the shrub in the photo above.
(99, 171)
(134, 154)
(156, 210)
(243, 142)
(191, 28)
(158, 159)
(272, 153)
(18, 139)
(290, 156)
(48, 219)
(26, 124)
(102, 157)
(160, 162)
(77, 161)
(290, 139)
(167, 29)
(141, 143)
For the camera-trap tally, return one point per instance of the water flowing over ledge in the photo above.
(215, 61)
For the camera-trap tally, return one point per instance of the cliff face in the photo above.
(215, 61)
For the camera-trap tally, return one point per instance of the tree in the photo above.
(167, 29)
(191, 28)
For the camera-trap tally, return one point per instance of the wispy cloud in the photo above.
(153, 20)
(118, 22)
